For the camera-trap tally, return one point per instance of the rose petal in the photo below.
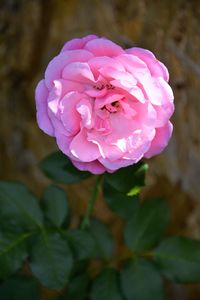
(103, 47)
(97, 63)
(156, 68)
(41, 95)
(69, 115)
(164, 113)
(124, 77)
(115, 165)
(133, 64)
(85, 109)
(112, 152)
(95, 167)
(122, 127)
(57, 64)
(110, 98)
(78, 43)
(134, 91)
(95, 93)
(82, 149)
(60, 88)
(160, 141)
(78, 72)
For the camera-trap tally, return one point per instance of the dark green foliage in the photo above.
(179, 259)
(81, 243)
(77, 288)
(55, 205)
(127, 179)
(51, 260)
(103, 239)
(13, 252)
(18, 206)
(59, 168)
(145, 229)
(106, 286)
(141, 281)
(121, 204)
(19, 288)
(61, 257)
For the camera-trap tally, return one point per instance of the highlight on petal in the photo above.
(85, 109)
(78, 72)
(155, 66)
(41, 95)
(112, 152)
(57, 64)
(69, 115)
(83, 149)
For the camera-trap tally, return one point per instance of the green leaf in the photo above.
(126, 179)
(119, 203)
(18, 206)
(103, 239)
(19, 288)
(179, 259)
(13, 252)
(147, 226)
(51, 260)
(79, 267)
(59, 168)
(77, 288)
(141, 281)
(106, 286)
(82, 243)
(55, 205)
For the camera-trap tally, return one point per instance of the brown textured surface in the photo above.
(32, 32)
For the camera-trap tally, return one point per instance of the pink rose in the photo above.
(106, 107)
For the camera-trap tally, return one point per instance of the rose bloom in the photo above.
(107, 107)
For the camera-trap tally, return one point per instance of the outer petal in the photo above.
(82, 149)
(63, 143)
(160, 141)
(164, 113)
(133, 64)
(41, 95)
(60, 89)
(78, 72)
(115, 165)
(155, 66)
(95, 167)
(103, 47)
(55, 67)
(78, 43)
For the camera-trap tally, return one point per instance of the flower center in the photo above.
(112, 107)
(101, 86)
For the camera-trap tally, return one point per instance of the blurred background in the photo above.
(32, 33)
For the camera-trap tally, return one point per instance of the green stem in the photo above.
(86, 220)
